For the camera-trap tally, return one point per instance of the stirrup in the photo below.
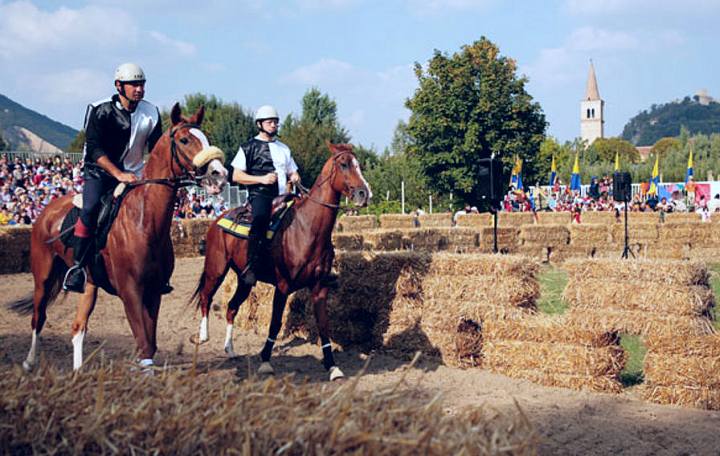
(248, 276)
(77, 287)
(166, 289)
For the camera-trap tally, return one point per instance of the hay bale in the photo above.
(695, 234)
(507, 239)
(554, 218)
(705, 254)
(639, 323)
(348, 241)
(355, 223)
(643, 233)
(462, 240)
(383, 240)
(500, 290)
(515, 219)
(483, 220)
(662, 369)
(682, 217)
(106, 411)
(641, 218)
(426, 239)
(394, 221)
(483, 265)
(637, 295)
(684, 396)
(669, 251)
(545, 235)
(504, 356)
(441, 220)
(598, 384)
(666, 272)
(15, 248)
(547, 329)
(593, 235)
(598, 217)
(699, 346)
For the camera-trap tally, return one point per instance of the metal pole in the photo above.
(402, 196)
(430, 197)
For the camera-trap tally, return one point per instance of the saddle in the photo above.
(238, 221)
(109, 207)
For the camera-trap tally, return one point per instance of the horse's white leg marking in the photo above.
(336, 373)
(77, 342)
(29, 362)
(266, 369)
(228, 341)
(204, 330)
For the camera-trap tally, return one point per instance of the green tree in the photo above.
(665, 145)
(306, 136)
(3, 144)
(469, 106)
(606, 148)
(78, 143)
(227, 125)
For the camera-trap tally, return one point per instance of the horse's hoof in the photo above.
(230, 352)
(27, 367)
(195, 340)
(336, 374)
(266, 369)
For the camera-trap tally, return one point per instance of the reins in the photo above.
(306, 192)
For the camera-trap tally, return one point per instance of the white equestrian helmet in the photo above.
(266, 112)
(129, 72)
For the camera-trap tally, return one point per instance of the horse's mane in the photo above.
(341, 148)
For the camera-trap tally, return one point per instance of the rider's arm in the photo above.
(94, 152)
(239, 165)
(155, 134)
(292, 169)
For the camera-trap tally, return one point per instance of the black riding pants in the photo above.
(94, 187)
(261, 209)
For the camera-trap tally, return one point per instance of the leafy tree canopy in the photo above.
(468, 106)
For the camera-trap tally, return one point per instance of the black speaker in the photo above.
(622, 190)
(490, 179)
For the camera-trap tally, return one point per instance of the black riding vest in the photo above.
(258, 163)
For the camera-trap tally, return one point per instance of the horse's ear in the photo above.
(197, 118)
(176, 114)
(331, 146)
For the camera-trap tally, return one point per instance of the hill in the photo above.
(646, 128)
(16, 118)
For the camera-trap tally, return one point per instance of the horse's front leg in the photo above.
(279, 300)
(241, 293)
(142, 317)
(79, 325)
(319, 300)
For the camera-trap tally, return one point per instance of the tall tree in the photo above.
(3, 144)
(605, 149)
(469, 106)
(306, 136)
(78, 143)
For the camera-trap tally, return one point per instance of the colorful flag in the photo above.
(617, 161)
(553, 171)
(689, 173)
(655, 180)
(575, 178)
(516, 177)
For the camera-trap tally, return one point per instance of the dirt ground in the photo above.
(569, 422)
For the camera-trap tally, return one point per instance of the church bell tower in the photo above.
(591, 110)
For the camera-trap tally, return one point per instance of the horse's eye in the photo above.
(184, 140)
(343, 165)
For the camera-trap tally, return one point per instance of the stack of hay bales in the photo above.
(395, 221)
(383, 240)
(187, 236)
(642, 237)
(545, 242)
(410, 301)
(439, 239)
(441, 220)
(356, 223)
(477, 221)
(515, 219)
(507, 239)
(681, 217)
(15, 248)
(554, 218)
(683, 371)
(592, 240)
(640, 297)
(598, 217)
(684, 240)
(348, 241)
(551, 351)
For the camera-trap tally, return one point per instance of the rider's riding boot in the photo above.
(76, 277)
(254, 247)
(166, 289)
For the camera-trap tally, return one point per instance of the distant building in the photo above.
(644, 152)
(703, 98)
(592, 120)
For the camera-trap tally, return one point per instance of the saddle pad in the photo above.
(236, 224)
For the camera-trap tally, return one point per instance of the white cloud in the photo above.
(647, 7)
(587, 39)
(181, 47)
(435, 6)
(70, 85)
(322, 72)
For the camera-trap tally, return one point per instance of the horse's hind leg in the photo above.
(279, 300)
(79, 325)
(46, 275)
(319, 300)
(216, 267)
(241, 293)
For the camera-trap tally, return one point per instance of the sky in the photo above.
(58, 56)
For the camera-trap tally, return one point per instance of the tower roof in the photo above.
(591, 91)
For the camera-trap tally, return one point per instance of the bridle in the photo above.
(306, 192)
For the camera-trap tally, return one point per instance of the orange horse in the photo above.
(301, 253)
(138, 255)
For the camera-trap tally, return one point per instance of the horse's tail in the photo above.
(195, 298)
(53, 286)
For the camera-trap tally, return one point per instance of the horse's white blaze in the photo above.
(29, 362)
(204, 329)
(265, 369)
(77, 342)
(196, 132)
(356, 164)
(336, 373)
(228, 341)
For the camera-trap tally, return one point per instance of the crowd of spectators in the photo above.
(27, 185)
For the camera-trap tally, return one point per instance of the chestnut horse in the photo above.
(301, 252)
(138, 255)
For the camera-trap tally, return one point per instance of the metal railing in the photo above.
(25, 154)
(232, 195)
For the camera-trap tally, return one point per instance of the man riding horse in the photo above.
(263, 165)
(117, 132)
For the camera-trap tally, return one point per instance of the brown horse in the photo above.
(301, 253)
(138, 255)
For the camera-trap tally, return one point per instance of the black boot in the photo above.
(75, 278)
(254, 247)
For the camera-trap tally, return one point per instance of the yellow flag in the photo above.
(617, 161)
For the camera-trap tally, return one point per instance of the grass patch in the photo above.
(632, 374)
(552, 283)
(715, 285)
